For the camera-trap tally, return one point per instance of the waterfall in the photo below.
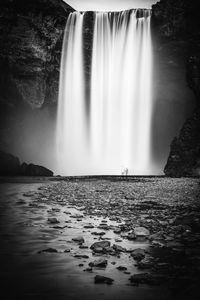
(119, 132)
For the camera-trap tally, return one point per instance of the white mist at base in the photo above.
(119, 131)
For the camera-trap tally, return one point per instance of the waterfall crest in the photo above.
(119, 131)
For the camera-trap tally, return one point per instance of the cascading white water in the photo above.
(119, 128)
(71, 119)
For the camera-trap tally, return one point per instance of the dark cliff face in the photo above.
(179, 21)
(30, 50)
(31, 33)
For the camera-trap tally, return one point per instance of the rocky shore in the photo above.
(136, 237)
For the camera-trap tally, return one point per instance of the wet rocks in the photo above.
(99, 263)
(98, 233)
(131, 236)
(117, 230)
(103, 226)
(118, 248)
(121, 268)
(76, 216)
(146, 263)
(66, 250)
(21, 202)
(100, 245)
(88, 270)
(173, 233)
(48, 250)
(53, 220)
(141, 233)
(83, 247)
(138, 254)
(78, 239)
(103, 279)
(88, 226)
(81, 256)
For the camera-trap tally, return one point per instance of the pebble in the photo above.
(53, 220)
(48, 250)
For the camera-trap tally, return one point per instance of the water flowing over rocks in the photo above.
(163, 212)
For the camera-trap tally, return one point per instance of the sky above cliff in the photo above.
(109, 5)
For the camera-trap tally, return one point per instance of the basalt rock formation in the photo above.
(177, 21)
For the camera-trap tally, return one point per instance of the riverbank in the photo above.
(146, 229)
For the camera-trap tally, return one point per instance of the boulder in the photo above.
(53, 220)
(78, 239)
(138, 254)
(103, 244)
(99, 263)
(141, 232)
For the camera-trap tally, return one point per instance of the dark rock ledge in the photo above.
(10, 166)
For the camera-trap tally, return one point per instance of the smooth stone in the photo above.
(83, 247)
(141, 232)
(88, 226)
(102, 244)
(98, 233)
(138, 254)
(121, 268)
(99, 263)
(103, 279)
(81, 256)
(53, 220)
(81, 265)
(88, 270)
(78, 239)
(48, 250)
(118, 248)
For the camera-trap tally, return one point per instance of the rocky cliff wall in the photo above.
(178, 21)
(30, 49)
